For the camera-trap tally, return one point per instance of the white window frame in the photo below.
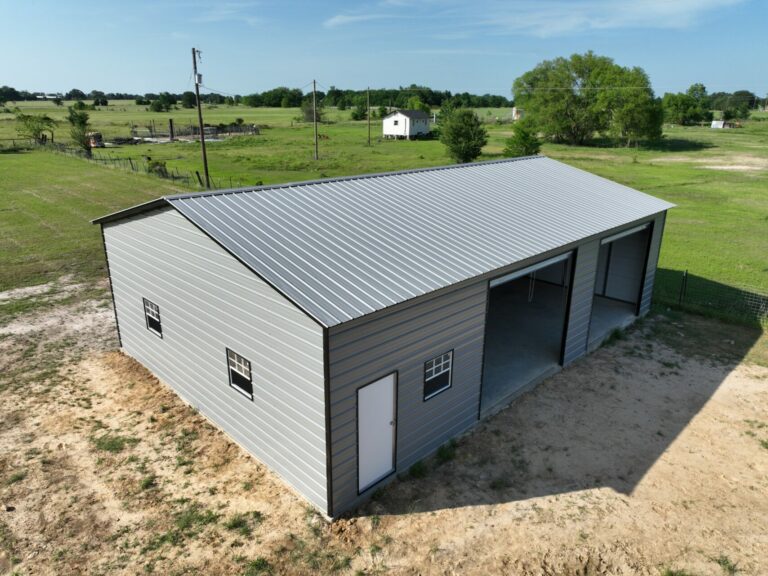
(242, 366)
(438, 366)
(152, 310)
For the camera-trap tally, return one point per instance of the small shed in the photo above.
(406, 124)
(340, 330)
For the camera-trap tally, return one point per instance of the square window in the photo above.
(396, 121)
(152, 317)
(437, 374)
(240, 373)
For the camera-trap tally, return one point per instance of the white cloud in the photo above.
(556, 17)
(344, 19)
(544, 18)
(231, 12)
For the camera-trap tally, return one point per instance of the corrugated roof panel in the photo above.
(344, 248)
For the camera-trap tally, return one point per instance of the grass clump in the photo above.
(418, 470)
(17, 477)
(113, 443)
(244, 524)
(149, 481)
(729, 567)
(446, 452)
(258, 567)
(187, 523)
(672, 572)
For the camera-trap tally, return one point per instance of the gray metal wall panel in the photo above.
(208, 301)
(626, 267)
(581, 301)
(401, 340)
(653, 261)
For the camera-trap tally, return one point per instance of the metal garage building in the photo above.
(341, 330)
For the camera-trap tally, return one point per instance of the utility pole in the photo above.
(198, 81)
(368, 106)
(314, 112)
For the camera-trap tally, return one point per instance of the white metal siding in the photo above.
(403, 339)
(401, 129)
(208, 302)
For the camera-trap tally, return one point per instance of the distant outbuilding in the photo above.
(406, 124)
(341, 330)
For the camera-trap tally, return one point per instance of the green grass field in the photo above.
(718, 179)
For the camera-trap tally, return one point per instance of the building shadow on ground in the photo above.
(602, 422)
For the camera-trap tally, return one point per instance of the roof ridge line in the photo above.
(372, 175)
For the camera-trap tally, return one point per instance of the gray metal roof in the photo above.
(412, 114)
(343, 248)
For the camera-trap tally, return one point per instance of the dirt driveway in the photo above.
(649, 456)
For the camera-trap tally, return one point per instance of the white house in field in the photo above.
(406, 124)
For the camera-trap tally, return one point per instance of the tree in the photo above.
(415, 103)
(307, 112)
(464, 135)
(361, 110)
(58, 101)
(188, 100)
(35, 126)
(75, 94)
(570, 100)
(684, 109)
(79, 128)
(8, 94)
(634, 113)
(523, 142)
(699, 93)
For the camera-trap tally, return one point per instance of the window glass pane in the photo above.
(436, 384)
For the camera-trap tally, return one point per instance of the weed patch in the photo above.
(113, 443)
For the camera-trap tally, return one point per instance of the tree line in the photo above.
(278, 97)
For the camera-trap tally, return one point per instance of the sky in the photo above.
(477, 46)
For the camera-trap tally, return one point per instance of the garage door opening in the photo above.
(618, 285)
(524, 329)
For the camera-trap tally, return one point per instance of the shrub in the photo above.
(523, 142)
(464, 135)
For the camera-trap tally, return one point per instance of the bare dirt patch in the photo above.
(730, 162)
(636, 459)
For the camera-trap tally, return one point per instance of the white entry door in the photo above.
(375, 431)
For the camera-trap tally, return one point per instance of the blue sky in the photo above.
(476, 46)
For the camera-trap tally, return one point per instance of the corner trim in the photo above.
(328, 430)
(111, 289)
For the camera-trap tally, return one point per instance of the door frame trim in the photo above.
(375, 482)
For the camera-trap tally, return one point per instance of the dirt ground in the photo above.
(648, 457)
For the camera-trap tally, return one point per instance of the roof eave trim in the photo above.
(133, 210)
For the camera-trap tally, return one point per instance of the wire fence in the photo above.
(693, 293)
(187, 179)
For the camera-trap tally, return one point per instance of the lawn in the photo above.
(718, 178)
(46, 202)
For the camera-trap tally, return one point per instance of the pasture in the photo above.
(717, 178)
